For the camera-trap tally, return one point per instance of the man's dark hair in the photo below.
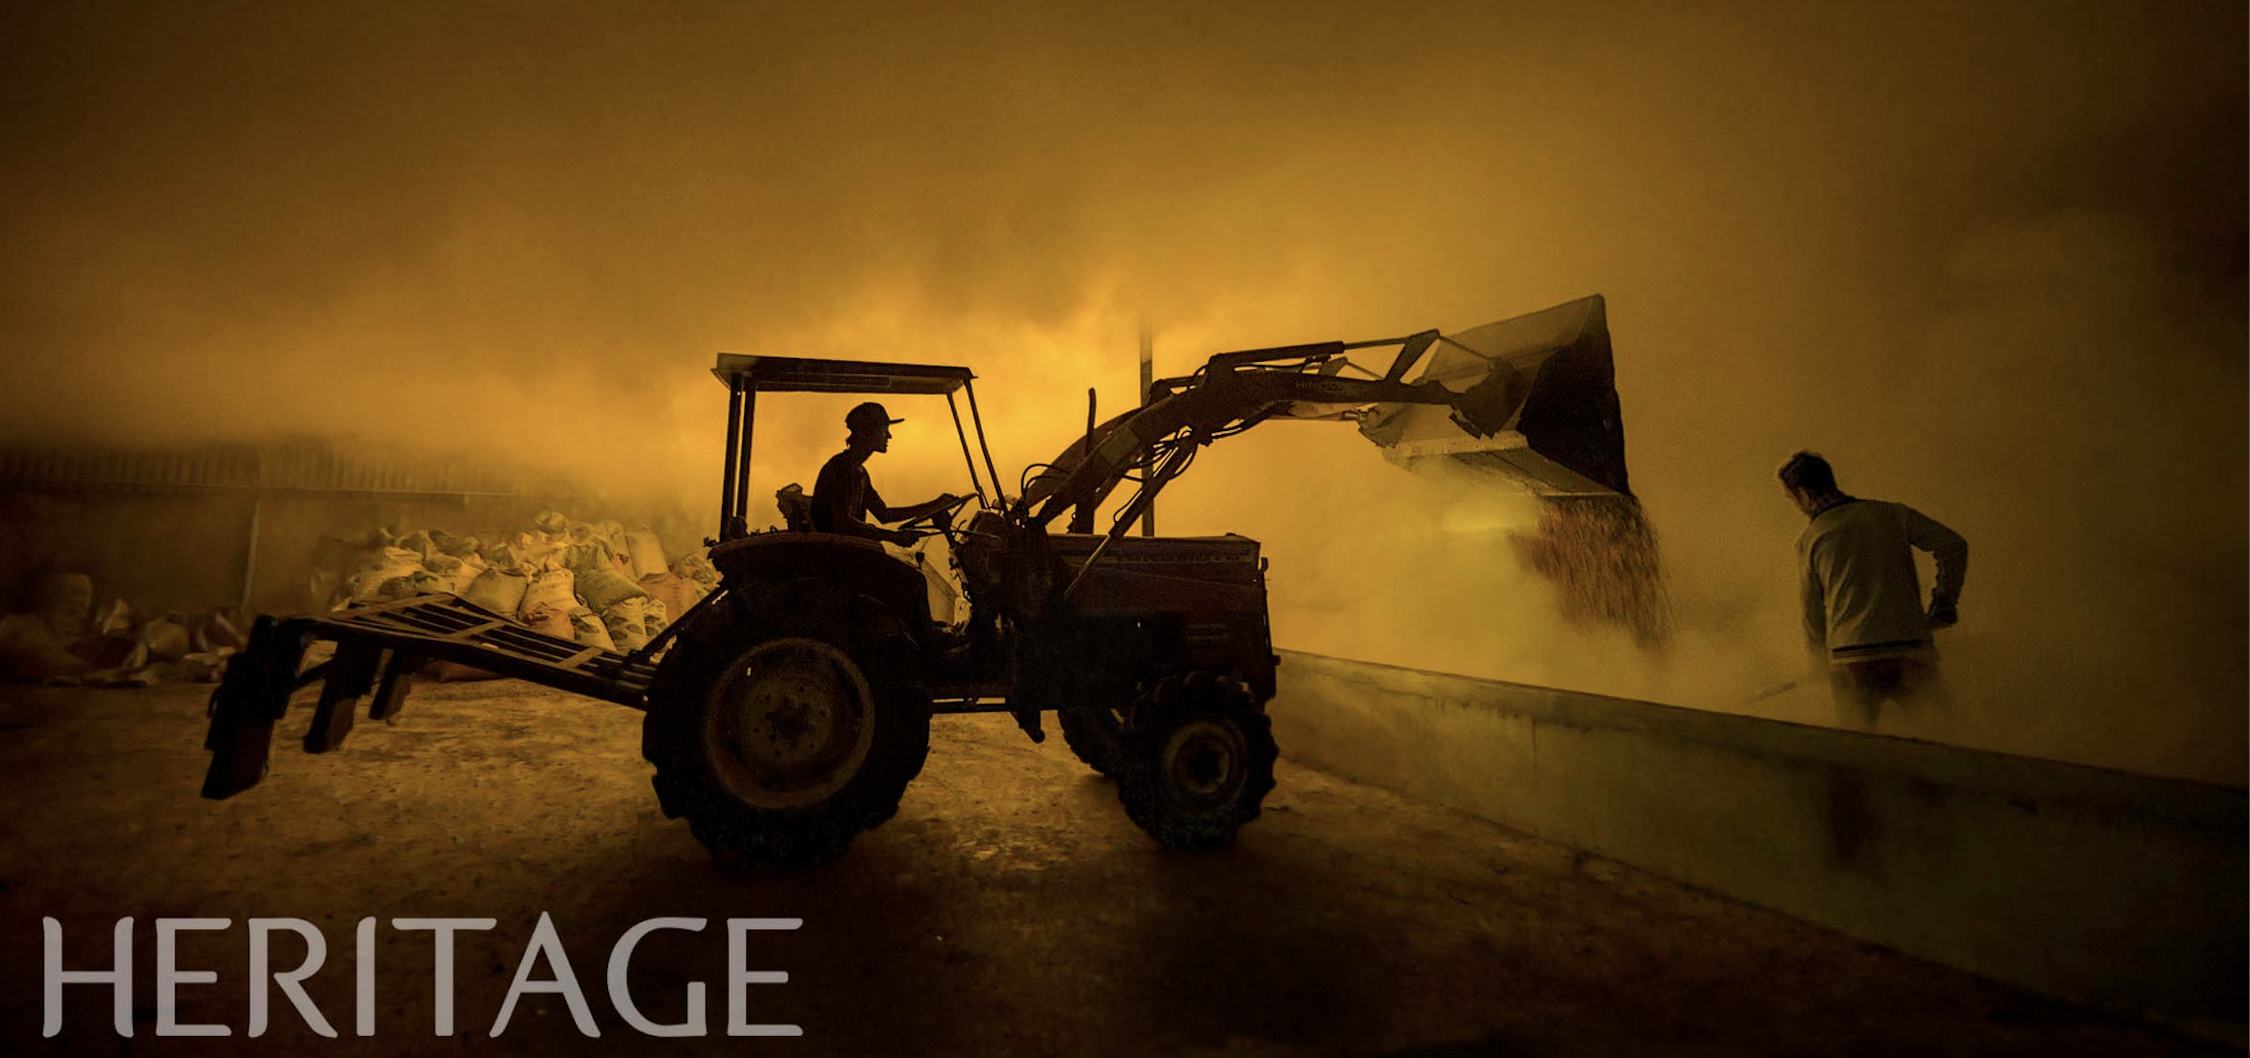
(1809, 472)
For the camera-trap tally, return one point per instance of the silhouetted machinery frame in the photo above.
(788, 711)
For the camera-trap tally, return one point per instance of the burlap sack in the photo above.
(551, 590)
(216, 630)
(428, 583)
(646, 551)
(197, 667)
(419, 542)
(122, 652)
(551, 621)
(541, 555)
(697, 568)
(677, 593)
(115, 619)
(590, 629)
(498, 590)
(628, 622)
(504, 557)
(470, 569)
(367, 585)
(603, 587)
(29, 651)
(166, 638)
(66, 602)
(587, 554)
(537, 549)
(448, 574)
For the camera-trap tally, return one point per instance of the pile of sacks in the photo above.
(601, 584)
(64, 641)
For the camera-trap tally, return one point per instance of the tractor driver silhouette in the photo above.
(844, 499)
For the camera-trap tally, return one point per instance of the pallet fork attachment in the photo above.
(378, 649)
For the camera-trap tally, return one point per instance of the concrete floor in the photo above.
(1009, 909)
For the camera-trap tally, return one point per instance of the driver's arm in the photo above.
(877, 511)
(884, 513)
(848, 525)
(925, 509)
(836, 494)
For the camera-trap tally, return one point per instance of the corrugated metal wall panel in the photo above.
(303, 466)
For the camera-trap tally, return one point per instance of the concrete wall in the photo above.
(2091, 885)
(160, 551)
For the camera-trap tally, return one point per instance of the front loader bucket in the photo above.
(1539, 388)
(1539, 413)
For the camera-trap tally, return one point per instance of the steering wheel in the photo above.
(941, 520)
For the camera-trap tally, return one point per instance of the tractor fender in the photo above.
(769, 573)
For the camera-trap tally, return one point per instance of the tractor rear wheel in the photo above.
(1196, 761)
(780, 747)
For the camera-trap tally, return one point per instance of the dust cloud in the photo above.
(1989, 260)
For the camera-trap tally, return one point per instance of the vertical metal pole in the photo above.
(250, 557)
(1082, 518)
(976, 480)
(1148, 376)
(974, 417)
(742, 471)
(734, 441)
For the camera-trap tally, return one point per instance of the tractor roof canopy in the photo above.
(747, 376)
(788, 374)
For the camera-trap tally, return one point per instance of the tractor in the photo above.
(788, 711)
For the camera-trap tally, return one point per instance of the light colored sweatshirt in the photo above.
(1863, 596)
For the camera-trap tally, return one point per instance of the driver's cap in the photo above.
(867, 417)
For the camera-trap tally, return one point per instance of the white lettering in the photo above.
(169, 977)
(738, 936)
(621, 996)
(119, 977)
(292, 983)
(443, 981)
(364, 1014)
(545, 942)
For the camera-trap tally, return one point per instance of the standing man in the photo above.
(843, 497)
(1863, 596)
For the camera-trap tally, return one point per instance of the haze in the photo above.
(1989, 259)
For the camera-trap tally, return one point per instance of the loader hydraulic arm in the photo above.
(1232, 392)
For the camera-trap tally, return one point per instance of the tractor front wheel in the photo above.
(1196, 761)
